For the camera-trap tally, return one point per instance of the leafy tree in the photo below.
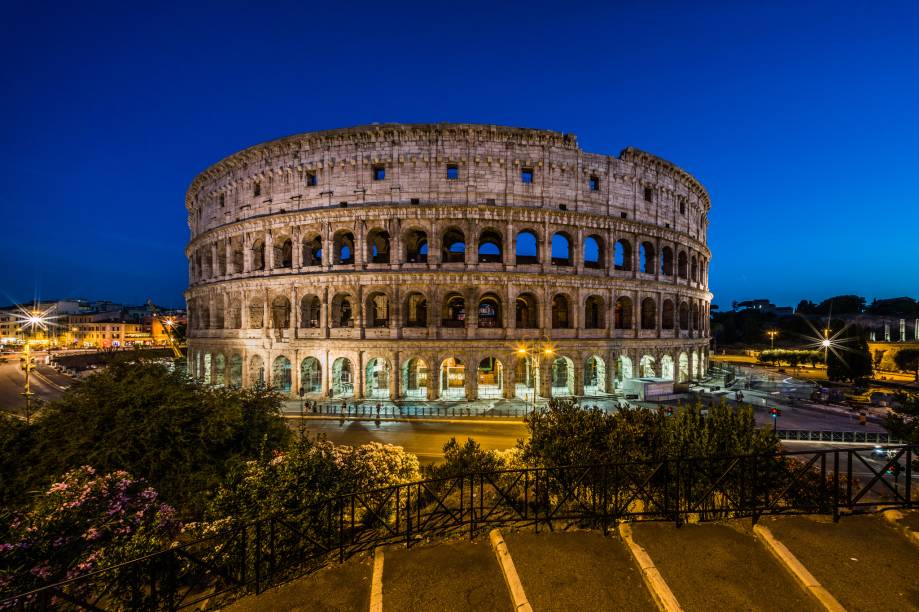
(157, 424)
(903, 420)
(908, 359)
(841, 304)
(895, 307)
(467, 458)
(850, 362)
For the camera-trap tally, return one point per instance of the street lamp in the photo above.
(772, 333)
(534, 352)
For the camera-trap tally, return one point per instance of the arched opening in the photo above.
(694, 316)
(684, 316)
(378, 246)
(594, 376)
(280, 312)
(280, 375)
(646, 366)
(622, 258)
(694, 269)
(683, 372)
(415, 379)
(454, 246)
(416, 310)
(648, 314)
(222, 258)
(454, 313)
(258, 255)
(527, 248)
(491, 247)
(667, 261)
(452, 379)
(219, 312)
(310, 376)
(343, 248)
(623, 313)
(526, 375)
(489, 311)
(646, 258)
(594, 313)
(236, 255)
(206, 369)
(562, 377)
(206, 270)
(234, 312)
(284, 253)
(490, 378)
(256, 371)
(561, 249)
(377, 378)
(377, 310)
(204, 320)
(220, 365)
(667, 367)
(694, 365)
(561, 312)
(526, 311)
(667, 315)
(312, 251)
(624, 372)
(235, 371)
(342, 311)
(681, 265)
(309, 311)
(593, 252)
(416, 246)
(342, 378)
(256, 314)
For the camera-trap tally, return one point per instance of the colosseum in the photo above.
(445, 262)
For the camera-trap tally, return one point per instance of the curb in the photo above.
(664, 598)
(473, 420)
(511, 578)
(785, 557)
(376, 582)
(893, 517)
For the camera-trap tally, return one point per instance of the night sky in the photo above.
(802, 120)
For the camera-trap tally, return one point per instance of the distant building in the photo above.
(765, 307)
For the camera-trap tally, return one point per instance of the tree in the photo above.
(178, 435)
(850, 360)
(903, 420)
(908, 359)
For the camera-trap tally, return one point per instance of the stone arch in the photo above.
(220, 365)
(594, 375)
(222, 258)
(526, 376)
(594, 253)
(667, 312)
(490, 311)
(452, 379)
(562, 247)
(667, 367)
(646, 367)
(622, 255)
(235, 370)
(342, 381)
(256, 313)
(343, 248)
(376, 313)
(694, 269)
(648, 313)
(378, 246)
(683, 367)
(310, 376)
(310, 311)
(561, 311)
(623, 313)
(491, 246)
(527, 247)
(453, 246)
(415, 379)
(681, 265)
(684, 316)
(280, 312)
(694, 316)
(454, 310)
(490, 378)
(281, 379)
(343, 310)
(562, 377)
(234, 312)
(526, 311)
(204, 316)
(667, 261)
(238, 256)
(646, 258)
(312, 251)
(416, 246)
(416, 310)
(219, 311)
(624, 371)
(594, 313)
(283, 252)
(206, 369)
(694, 365)
(207, 267)
(257, 371)
(258, 254)
(376, 379)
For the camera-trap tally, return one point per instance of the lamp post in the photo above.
(772, 334)
(534, 352)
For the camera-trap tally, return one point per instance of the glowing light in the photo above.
(826, 343)
(35, 319)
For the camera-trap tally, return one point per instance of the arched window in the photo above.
(491, 248)
(310, 375)
(312, 251)
(593, 313)
(694, 316)
(667, 318)
(623, 313)
(206, 260)
(684, 316)
(648, 314)
(416, 310)
(204, 319)
(234, 312)
(377, 310)
(416, 246)
(342, 378)
(623, 256)
(284, 253)
(561, 313)
(527, 248)
(454, 313)
(280, 312)
(593, 252)
(256, 314)
(258, 255)
(561, 249)
(454, 246)
(489, 311)
(527, 311)
(343, 248)
(646, 258)
(236, 246)
(667, 261)
(280, 374)
(694, 269)
(309, 311)
(378, 246)
(219, 313)
(256, 371)
(222, 258)
(342, 313)
(681, 265)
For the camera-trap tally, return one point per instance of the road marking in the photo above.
(664, 598)
(804, 578)
(518, 596)
(376, 583)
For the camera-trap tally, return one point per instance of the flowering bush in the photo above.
(85, 522)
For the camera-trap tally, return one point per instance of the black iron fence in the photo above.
(240, 558)
(856, 437)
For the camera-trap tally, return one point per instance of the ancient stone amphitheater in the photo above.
(445, 261)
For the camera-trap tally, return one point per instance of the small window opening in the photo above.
(682, 207)
(526, 176)
(624, 215)
(594, 183)
(379, 173)
(257, 189)
(311, 179)
(222, 199)
(649, 194)
(452, 172)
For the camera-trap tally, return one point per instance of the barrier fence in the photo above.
(251, 557)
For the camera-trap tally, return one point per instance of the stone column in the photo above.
(394, 377)
(247, 253)
(296, 248)
(359, 381)
(294, 313)
(510, 383)
(578, 361)
(326, 373)
(269, 250)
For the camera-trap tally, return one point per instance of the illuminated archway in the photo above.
(490, 378)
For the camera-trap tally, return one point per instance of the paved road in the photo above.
(45, 385)
(423, 438)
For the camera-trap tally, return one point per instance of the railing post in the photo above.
(835, 486)
(408, 516)
(258, 556)
(245, 555)
(677, 493)
(471, 506)
(271, 549)
(341, 531)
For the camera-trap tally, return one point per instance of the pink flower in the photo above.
(58, 487)
(91, 534)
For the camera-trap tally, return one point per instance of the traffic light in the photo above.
(893, 469)
(775, 413)
(669, 411)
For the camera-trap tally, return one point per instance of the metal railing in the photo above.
(251, 557)
(843, 437)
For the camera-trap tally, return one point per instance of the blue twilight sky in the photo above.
(801, 119)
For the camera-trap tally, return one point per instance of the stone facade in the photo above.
(431, 261)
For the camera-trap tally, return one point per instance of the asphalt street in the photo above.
(45, 383)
